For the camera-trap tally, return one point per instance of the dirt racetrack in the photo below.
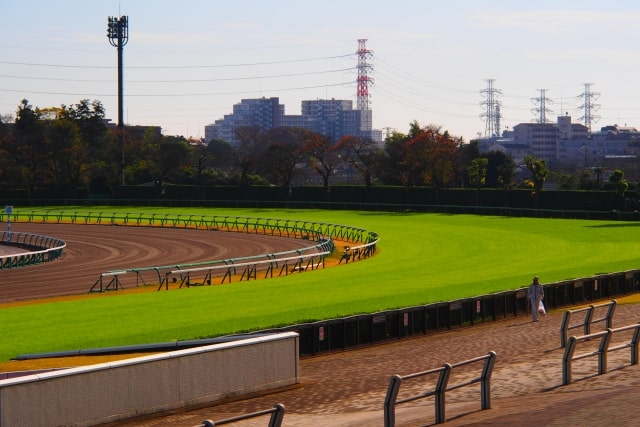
(348, 388)
(95, 249)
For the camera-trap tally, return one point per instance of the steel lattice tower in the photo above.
(492, 109)
(588, 106)
(363, 77)
(542, 110)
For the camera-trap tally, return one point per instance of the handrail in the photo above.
(251, 268)
(587, 321)
(391, 399)
(53, 249)
(602, 350)
(277, 415)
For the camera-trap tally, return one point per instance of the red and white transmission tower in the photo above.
(363, 78)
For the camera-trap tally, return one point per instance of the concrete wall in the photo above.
(107, 392)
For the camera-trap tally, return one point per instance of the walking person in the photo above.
(535, 294)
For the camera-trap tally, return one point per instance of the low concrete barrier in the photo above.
(108, 392)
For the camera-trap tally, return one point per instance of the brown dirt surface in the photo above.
(348, 388)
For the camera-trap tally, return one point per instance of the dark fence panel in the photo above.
(362, 330)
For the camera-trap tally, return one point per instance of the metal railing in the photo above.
(442, 386)
(39, 249)
(601, 352)
(277, 415)
(314, 255)
(268, 226)
(587, 321)
(189, 277)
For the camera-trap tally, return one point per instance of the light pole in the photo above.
(118, 35)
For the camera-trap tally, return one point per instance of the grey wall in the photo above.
(106, 392)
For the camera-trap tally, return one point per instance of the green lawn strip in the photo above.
(422, 258)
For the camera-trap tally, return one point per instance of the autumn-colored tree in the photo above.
(361, 153)
(321, 157)
(432, 157)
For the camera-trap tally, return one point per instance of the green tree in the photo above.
(284, 156)
(30, 159)
(539, 172)
(620, 183)
(248, 152)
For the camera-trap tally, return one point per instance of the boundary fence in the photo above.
(41, 249)
(309, 258)
(345, 333)
(604, 348)
(442, 386)
(587, 321)
(277, 415)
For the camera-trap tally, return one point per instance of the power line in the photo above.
(180, 67)
(155, 95)
(183, 80)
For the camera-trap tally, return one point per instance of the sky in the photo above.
(187, 63)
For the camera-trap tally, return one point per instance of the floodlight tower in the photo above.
(363, 78)
(118, 35)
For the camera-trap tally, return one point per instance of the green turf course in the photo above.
(422, 258)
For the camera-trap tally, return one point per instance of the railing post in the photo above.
(603, 351)
(564, 329)
(441, 389)
(277, 416)
(634, 345)
(485, 381)
(566, 360)
(587, 319)
(390, 401)
(610, 312)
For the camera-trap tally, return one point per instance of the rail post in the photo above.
(564, 329)
(441, 388)
(390, 401)
(485, 381)
(566, 360)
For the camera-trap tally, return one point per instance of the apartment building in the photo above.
(329, 117)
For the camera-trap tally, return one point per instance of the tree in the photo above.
(28, 146)
(395, 169)
(284, 155)
(477, 172)
(620, 183)
(466, 154)
(321, 157)
(360, 153)
(500, 170)
(69, 154)
(539, 171)
(249, 151)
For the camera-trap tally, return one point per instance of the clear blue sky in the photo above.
(188, 62)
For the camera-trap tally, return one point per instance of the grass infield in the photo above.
(421, 258)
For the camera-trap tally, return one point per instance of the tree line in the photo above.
(71, 147)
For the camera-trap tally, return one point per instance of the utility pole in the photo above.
(118, 35)
(589, 106)
(492, 109)
(364, 80)
(542, 109)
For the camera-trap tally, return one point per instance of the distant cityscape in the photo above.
(567, 143)
(332, 118)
